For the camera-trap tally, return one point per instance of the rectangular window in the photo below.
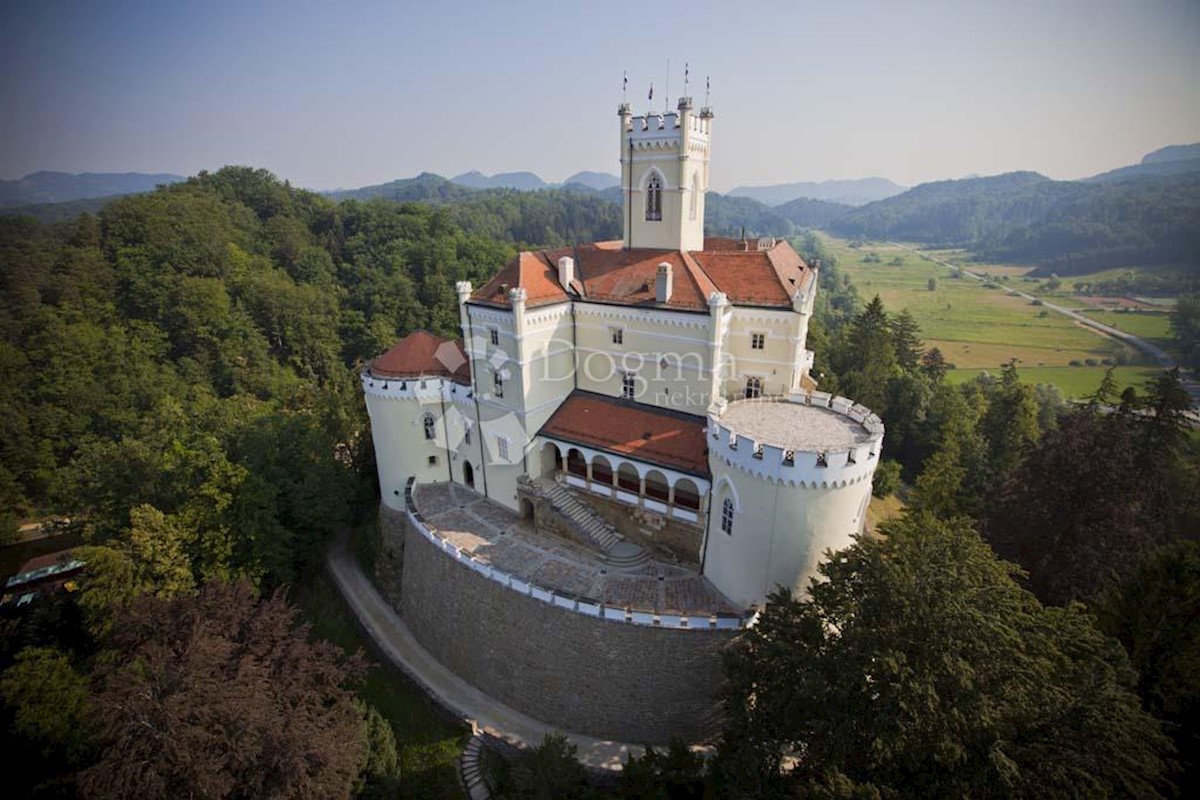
(727, 516)
(628, 385)
(495, 334)
(498, 382)
(433, 461)
(502, 448)
(758, 341)
(618, 336)
(753, 387)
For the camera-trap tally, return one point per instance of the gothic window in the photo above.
(428, 422)
(653, 199)
(758, 341)
(618, 336)
(695, 200)
(727, 516)
(628, 385)
(502, 448)
(495, 336)
(467, 434)
(753, 387)
(498, 382)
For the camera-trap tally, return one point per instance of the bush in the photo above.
(1091, 362)
(1075, 362)
(887, 478)
(932, 284)
(1037, 303)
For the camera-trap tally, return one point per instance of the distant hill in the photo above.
(593, 180)
(805, 212)
(1173, 152)
(58, 187)
(855, 192)
(521, 181)
(1067, 226)
(425, 187)
(60, 212)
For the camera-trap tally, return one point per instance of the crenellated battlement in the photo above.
(810, 439)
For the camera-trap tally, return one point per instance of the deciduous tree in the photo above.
(919, 668)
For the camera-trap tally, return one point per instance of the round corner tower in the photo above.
(791, 480)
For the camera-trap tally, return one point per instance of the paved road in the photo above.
(393, 639)
(1163, 358)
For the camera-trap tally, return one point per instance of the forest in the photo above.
(181, 380)
(1068, 227)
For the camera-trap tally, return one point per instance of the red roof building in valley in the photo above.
(612, 414)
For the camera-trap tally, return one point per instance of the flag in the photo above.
(651, 97)
(624, 81)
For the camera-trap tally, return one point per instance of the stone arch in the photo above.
(551, 459)
(687, 494)
(628, 478)
(657, 487)
(526, 510)
(602, 471)
(576, 463)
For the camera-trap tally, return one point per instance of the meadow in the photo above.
(980, 326)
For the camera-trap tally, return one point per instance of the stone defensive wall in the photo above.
(812, 465)
(574, 665)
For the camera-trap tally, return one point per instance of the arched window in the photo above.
(727, 516)
(653, 199)
(428, 421)
(695, 201)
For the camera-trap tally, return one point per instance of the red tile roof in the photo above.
(421, 354)
(607, 272)
(653, 435)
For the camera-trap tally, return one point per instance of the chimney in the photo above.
(566, 272)
(663, 283)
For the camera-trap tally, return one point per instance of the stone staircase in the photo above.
(619, 553)
(471, 771)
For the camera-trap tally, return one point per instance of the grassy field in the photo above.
(974, 326)
(428, 738)
(1073, 382)
(1153, 325)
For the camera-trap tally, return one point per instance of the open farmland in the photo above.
(979, 328)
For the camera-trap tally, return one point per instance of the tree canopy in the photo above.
(919, 668)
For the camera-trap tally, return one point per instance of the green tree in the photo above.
(932, 284)
(50, 702)
(676, 774)
(906, 335)
(1155, 614)
(549, 771)
(919, 668)
(1074, 515)
(1010, 423)
(1185, 326)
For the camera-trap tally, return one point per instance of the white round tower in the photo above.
(791, 479)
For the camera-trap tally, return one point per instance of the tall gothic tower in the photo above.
(664, 175)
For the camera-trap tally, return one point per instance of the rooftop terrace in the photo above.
(794, 426)
(489, 533)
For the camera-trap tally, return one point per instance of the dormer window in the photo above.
(654, 199)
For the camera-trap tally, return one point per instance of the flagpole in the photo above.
(667, 93)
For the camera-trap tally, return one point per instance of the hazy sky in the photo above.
(332, 94)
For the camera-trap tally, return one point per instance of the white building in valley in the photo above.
(660, 383)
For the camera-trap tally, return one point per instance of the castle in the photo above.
(593, 490)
